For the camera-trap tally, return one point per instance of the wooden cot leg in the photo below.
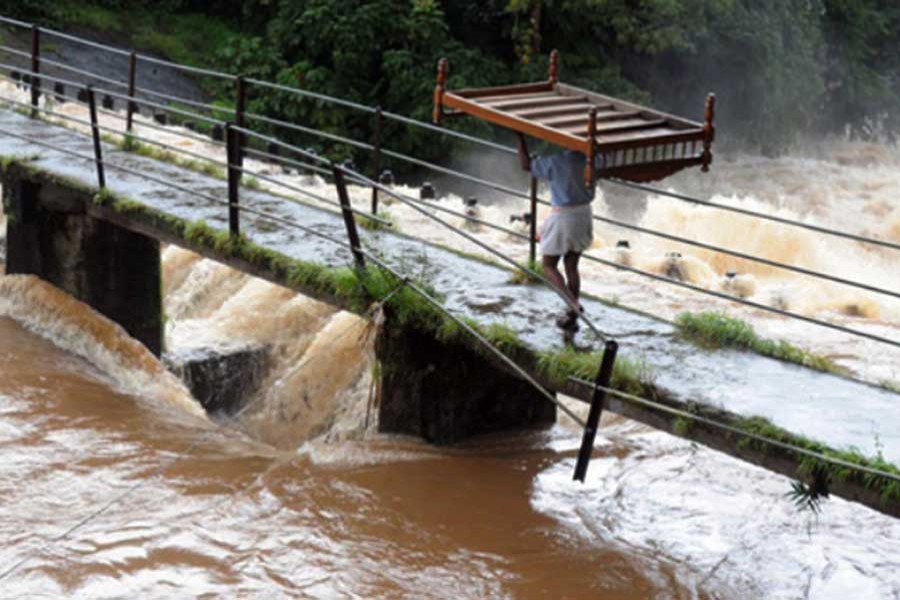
(709, 131)
(591, 154)
(553, 75)
(438, 112)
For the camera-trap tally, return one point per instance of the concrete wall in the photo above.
(115, 271)
(446, 392)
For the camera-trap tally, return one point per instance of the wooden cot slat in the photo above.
(617, 115)
(526, 103)
(619, 126)
(565, 109)
(565, 120)
(499, 97)
(521, 88)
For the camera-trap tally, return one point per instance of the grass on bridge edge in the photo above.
(718, 330)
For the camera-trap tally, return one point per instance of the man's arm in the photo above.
(524, 157)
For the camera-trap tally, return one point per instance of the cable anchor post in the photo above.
(604, 377)
(349, 218)
(240, 109)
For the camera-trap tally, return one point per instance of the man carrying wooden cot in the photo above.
(601, 137)
(568, 231)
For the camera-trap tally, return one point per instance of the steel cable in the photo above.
(112, 94)
(532, 273)
(771, 309)
(736, 430)
(758, 215)
(593, 258)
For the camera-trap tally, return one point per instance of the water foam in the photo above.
(318, 384)
(729, 524)
(77, 328)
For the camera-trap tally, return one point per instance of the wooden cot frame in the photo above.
(603, 126)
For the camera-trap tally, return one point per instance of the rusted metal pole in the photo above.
(376, 159)
(532, 236)
(604, 376)
(132, 77)
(35, 68)
(95, 131)
(234, 181)
(349, 219)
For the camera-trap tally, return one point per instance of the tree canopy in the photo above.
(781, 68)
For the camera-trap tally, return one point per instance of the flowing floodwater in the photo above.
(221, 514)
(177, 505)
(115, 484)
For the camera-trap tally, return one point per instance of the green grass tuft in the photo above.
(373, 225)
(717, 330)
(629, 376)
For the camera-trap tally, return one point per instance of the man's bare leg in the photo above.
(573, 278)
(551, 272)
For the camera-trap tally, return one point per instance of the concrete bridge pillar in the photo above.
(446, 392)
(115, 271)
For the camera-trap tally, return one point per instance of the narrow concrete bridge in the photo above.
(103, 248)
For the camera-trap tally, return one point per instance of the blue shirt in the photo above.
(565, 172)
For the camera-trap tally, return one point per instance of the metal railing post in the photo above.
(132, 75)
(349, 218)
(604, 376)
(95, 132)
(532, 233)
(240, 108)
(376, 159)
(35, 68)
(234, 180)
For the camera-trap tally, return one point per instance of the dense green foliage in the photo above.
(781, 68)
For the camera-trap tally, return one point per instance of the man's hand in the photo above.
(524, 157)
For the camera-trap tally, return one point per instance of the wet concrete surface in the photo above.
(840, 412)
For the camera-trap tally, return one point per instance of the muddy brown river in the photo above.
(203, 511)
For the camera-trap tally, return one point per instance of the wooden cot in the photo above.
(619, 139)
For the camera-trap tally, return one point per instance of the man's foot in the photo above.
(568, 321)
